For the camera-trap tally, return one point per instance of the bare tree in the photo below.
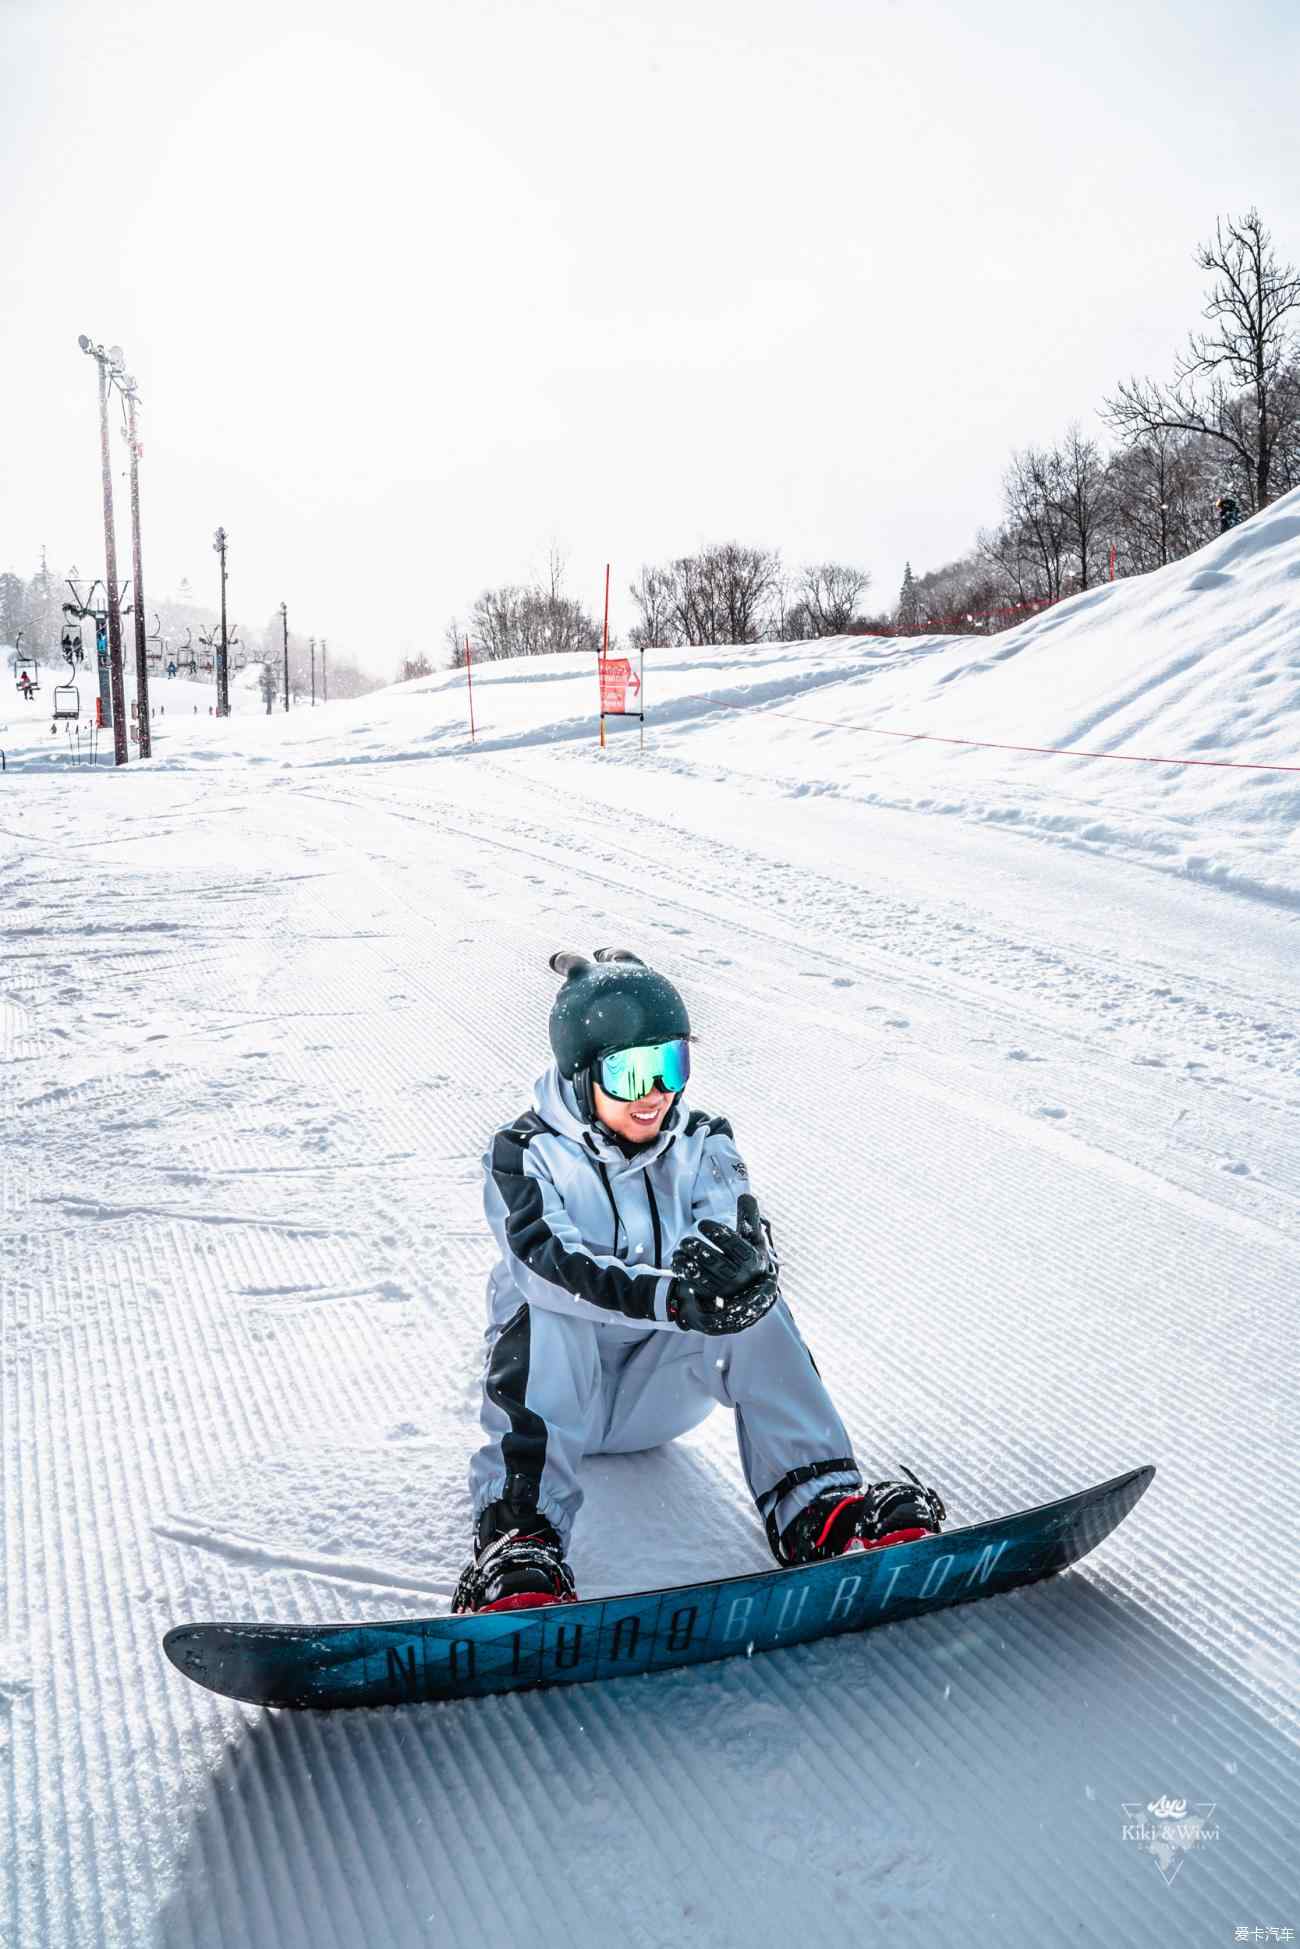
(1231, 384)
(1286, 454)
(515, 621)
(963, 598)
(828, 594)
(1160, 492)
(652, 593)
(1006, 551)
(1084, 498)
(1033, 489)
(492, 623)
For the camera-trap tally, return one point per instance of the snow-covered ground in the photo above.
(1012, 1044)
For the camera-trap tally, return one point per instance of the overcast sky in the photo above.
(415, 291)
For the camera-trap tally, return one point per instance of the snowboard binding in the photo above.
(516, 1567)
(871, 1518)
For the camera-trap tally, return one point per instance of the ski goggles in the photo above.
(630, 1074)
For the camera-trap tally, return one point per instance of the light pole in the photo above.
(223, 654)
(284, 624)
(324, 679)
(131, 394)
(313, 672)
(110, 362)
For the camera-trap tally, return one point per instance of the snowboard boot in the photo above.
(880, 1513)
(518, 1563)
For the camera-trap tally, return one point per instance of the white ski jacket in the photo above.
(587, 1230)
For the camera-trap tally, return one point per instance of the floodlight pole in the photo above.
(141, 662)
(117, 693)
(284, 623)
(223, 654)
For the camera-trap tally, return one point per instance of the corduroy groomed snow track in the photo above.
(1024, 1120)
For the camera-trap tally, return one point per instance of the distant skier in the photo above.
(1229, 512)
(637, 1289)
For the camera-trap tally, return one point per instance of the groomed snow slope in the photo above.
(1022, 1111)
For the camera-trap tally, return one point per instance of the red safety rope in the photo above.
(1049, 750)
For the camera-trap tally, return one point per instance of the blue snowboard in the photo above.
(411, 1659)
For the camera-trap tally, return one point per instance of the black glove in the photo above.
(694, 1314)
(726, 1280)
(726, 1259)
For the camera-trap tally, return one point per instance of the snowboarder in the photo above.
(637, 1288)
(1229, 512)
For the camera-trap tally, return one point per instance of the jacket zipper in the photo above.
(654, 1220)
(613, 1205)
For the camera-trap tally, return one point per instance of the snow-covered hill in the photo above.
(1021, 1109)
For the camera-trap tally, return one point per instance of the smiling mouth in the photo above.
(646, 1116)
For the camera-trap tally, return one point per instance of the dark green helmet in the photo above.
(613, 1002)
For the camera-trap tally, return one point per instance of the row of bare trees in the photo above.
(731, 593)
(728, 593)
(537, 619)
(1225, 427)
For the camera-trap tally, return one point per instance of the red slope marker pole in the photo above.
(604, 655)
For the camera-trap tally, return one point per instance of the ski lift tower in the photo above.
(110, 365)
(220, 544)
(83, 605)
(130, 392)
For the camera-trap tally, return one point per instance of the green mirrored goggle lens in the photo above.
(630, 1074)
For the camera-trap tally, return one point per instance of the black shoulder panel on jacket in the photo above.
(717, 1126)
(614, 1287)
(510, 1142)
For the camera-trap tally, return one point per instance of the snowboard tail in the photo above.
(409, 1660)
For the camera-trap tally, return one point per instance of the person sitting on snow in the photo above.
(637, 1288)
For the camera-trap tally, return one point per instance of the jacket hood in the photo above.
(556, 1104)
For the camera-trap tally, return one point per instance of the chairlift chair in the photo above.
(27, 675)
(155, 646)
(67, 702)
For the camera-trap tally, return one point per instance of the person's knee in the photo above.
(775, 1329)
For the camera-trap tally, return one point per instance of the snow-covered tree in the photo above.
(908, 618)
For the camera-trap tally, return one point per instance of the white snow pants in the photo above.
(556, 1389)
